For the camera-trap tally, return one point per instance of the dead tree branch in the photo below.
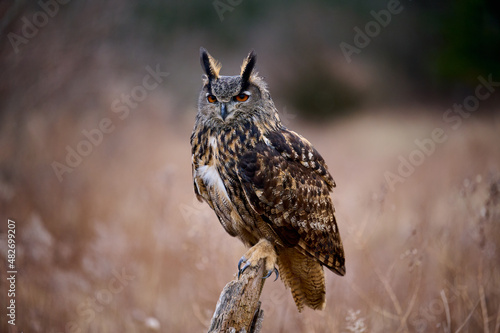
(238, 309)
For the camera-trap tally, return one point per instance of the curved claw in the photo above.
(240, 262)
(243, 268)
(271, 272)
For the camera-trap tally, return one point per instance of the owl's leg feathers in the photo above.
(262, 250)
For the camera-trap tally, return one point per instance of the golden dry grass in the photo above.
(422, 258)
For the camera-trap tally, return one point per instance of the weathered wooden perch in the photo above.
(238, 309)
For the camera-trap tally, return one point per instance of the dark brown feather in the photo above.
(295, 201)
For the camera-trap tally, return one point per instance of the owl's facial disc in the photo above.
(228, 105)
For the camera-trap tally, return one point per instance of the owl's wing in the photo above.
(287, 183)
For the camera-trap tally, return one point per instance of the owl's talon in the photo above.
(243, 259)
(242, 269)
(245, 267)
(270, 272)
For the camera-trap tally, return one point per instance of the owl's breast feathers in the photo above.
(272, 176)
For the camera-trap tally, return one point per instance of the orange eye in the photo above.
(211, 98)
(241, 97)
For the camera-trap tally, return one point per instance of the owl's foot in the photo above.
(262, 250)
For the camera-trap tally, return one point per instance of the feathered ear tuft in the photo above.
(248, 66)
(209, 64)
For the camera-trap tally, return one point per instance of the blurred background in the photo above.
(97, 104)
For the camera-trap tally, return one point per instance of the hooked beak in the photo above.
(223, 110)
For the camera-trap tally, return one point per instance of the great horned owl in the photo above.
(267, 184)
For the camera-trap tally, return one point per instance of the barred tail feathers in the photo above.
(304, 275)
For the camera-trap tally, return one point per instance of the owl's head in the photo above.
(225, 99)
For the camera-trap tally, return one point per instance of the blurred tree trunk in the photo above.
(238, 309)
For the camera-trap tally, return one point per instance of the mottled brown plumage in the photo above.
(267, 184)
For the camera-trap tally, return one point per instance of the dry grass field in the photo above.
(112, 239)
(121, 245)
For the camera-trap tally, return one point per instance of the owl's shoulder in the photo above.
(296, 149)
